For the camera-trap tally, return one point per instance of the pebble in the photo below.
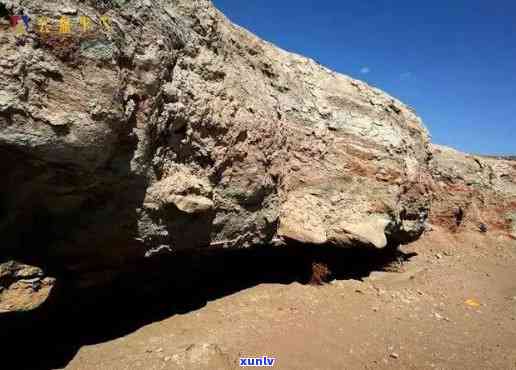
(167, 359)
(395, 355)
(69, 11)
(438, 256)
(159, 350)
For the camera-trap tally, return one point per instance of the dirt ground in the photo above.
(451, 306)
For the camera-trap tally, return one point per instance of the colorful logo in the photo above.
(20, 23)
(64, 25)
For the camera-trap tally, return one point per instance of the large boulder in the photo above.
(184, 130)
(169, 129)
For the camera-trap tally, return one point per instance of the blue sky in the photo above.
(454, 61)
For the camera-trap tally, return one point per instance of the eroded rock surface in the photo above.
(176, 130)
(471, 191)
(22, 287)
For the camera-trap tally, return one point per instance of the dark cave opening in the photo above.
(165, 286)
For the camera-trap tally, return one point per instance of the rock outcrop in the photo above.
(22, 287)
(170, 129)
(474, 192)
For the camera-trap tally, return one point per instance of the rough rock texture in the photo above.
(471, 191)
(22, 287)
(176, 130)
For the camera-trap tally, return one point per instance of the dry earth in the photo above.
(418, 318)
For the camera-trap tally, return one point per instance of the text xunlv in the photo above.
(257, 361)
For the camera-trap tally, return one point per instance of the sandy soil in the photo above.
(451, 306)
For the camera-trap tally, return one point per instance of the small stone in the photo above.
(31, 281)
(171, 92)
(6, 101)
(167, 358)
(191, 203)
(437, 316)
(380, 291)
(69, 11)
(472, 303)
(59, 122)
(438, 256)
(394, 355)
(162, 249)
(159, 350)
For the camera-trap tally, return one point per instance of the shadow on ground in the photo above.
(50, 336)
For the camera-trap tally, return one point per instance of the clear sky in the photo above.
(454, 61)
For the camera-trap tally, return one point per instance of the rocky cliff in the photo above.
(165, 129)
